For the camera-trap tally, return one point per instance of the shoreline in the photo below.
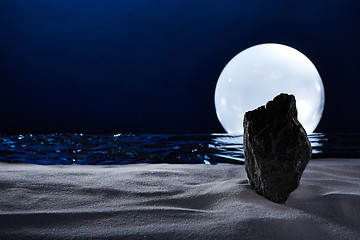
(175, 201)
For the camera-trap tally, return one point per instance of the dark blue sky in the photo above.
(147, 66)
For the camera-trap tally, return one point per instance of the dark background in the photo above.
(147, 66)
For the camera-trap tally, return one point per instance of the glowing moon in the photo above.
(258, 74)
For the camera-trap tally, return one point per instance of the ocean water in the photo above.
(149, 148)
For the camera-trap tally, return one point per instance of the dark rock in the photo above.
(276, 148)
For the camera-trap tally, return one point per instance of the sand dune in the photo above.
(162, 201)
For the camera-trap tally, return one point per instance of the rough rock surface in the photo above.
(277, 149)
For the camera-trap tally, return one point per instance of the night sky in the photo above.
(151, 66)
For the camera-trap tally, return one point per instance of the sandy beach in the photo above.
(163, 201)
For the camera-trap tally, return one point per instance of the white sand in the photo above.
(174, 202)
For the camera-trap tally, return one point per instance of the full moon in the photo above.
(258, 74)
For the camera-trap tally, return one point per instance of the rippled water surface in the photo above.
(140, 148)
